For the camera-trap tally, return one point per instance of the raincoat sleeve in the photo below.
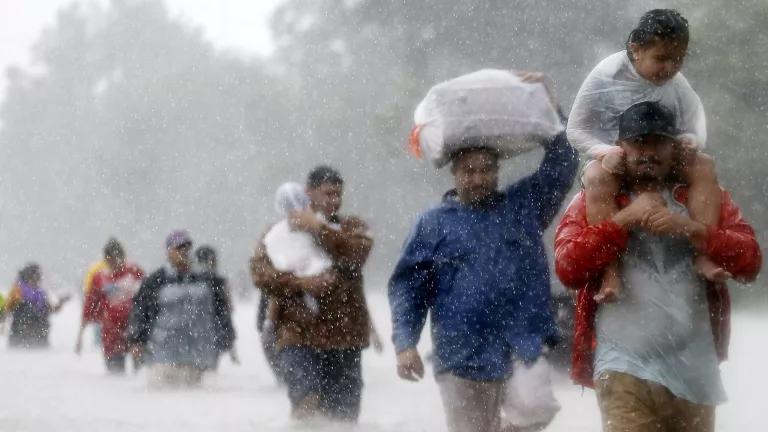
(592, 122)
(411, 285)
(693, 121)
(733, 245)
(582, 251)
(547, 187)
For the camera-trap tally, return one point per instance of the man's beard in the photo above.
(645, 172)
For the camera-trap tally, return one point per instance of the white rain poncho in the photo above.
(613, 86)
(295, 251)
(491, 108)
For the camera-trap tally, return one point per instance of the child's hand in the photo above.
(613, 161)
(642, 207)
(688, 142)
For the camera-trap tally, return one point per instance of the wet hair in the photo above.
(323, 174)
(206, 255)
(656, 25)
(113, 249)
(29, 272)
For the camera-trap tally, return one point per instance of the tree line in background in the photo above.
(132, 124)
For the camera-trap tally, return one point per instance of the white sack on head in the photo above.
(490, 107)
(613, 86)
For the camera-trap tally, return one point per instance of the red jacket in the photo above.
(109, 302)
(582, 252)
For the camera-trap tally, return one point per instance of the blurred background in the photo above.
(130, 118)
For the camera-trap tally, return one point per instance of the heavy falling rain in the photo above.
(375, 215)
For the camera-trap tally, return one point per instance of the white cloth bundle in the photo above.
(295, 251)
(613, 86)
(491, 108)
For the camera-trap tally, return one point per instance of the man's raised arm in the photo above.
(547, 187)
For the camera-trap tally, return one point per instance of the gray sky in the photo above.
(240, 26)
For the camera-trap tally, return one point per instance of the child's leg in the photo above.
(601, 188)
(704, 201)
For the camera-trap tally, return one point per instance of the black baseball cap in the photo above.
(647, 118)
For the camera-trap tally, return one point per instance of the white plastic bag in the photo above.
(490, 107)
(613, 86)
(528, 396)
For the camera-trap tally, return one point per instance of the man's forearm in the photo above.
(624, 218)
(271, 281)
(351, 246)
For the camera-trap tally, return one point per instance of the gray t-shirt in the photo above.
(660, 330)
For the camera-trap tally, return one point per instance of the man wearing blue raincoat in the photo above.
(477, 262)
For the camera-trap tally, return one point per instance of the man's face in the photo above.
(326, 198)
(179, 256)
(476, 175)
(649, 158)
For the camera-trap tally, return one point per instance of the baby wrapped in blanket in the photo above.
(295, 251)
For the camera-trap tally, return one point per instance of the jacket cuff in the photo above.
(614, 234)
(403, 341)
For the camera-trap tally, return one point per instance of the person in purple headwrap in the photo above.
(29, 308)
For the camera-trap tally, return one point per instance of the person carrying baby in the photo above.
(311, 265)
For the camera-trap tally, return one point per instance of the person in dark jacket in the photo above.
(477, 263)
(181, 319)
(30, 308)
(208, 265)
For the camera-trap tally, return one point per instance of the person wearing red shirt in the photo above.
(652, 353)
(109, 302)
